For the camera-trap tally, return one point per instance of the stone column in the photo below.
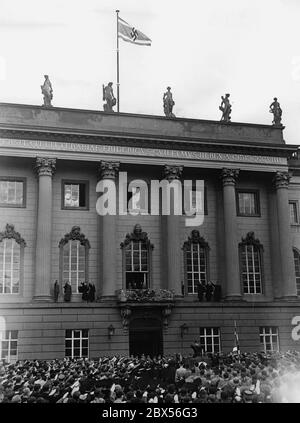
(109, 170)
(173, 246)
(281, 182)
(233, 284)
(45, 168)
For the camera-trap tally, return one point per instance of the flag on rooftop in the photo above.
(131, 34)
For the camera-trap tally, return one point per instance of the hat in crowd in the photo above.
(16, 399)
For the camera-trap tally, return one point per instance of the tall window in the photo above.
(136, 255)
(74, 248)
(210, 340)
(294, 215)
(297, 269)
(77, 343)
(9, 345)
(269, 339)
(75, 195)
(196, 261)
(251, 264)
(12, 192)
(11, 260)
(248, 203)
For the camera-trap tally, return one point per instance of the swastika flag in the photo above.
(131, 34)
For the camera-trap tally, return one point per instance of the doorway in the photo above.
(145, 337)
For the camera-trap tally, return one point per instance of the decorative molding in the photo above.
(251, 240)
(10, 233)
(195, 238)
(281, 180)
(172, 173)
(229, 176)
(145, 295)
(137, 235)
(75, 235)
(109, 170)
(45, 166)
(125, 314)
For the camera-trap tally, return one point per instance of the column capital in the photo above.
(109, 170)
(281, 180)
(229, 176)
(45, 166)
(172, 173)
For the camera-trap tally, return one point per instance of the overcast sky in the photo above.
(202, 49)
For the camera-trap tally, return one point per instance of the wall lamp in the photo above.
(183, 329)
(111, 331)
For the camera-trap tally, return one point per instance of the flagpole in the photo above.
(118, 71)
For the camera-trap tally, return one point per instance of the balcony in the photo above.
(145, 296)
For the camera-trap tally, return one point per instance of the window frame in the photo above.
(256, 202)
(74, 235)
(75, 182)
(296, 203)
(137, 237)
(295, 250)
(263, 334)
(212, 336)
(15, 179)
(10, 233)
(9, 340)
(205, 200)
(250, 240)
(195, 238)
(80, 338)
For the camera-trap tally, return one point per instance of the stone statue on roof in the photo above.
(168, 103)
(47, 91)
(108, 96)
(277, 112)
(225, 108)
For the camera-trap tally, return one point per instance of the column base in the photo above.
(111, 297)
(43, 299)
(233, 298)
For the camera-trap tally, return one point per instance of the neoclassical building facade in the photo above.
(145, 269)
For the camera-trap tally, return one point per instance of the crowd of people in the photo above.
(212, 378)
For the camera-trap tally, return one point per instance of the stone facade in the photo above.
(35, 145)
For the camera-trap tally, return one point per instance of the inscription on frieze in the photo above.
(139, 151)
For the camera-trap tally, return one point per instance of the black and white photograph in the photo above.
(149, 206)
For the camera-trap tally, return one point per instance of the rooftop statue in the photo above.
(277, 112)
(108, 96)
(168, 103)
(47, 91)
(225, 108)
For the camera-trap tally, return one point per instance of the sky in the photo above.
(202, 49)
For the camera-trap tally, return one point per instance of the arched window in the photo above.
(11, 260)
(251, 250)
(137, 259)
(195, 262)
(297, 269)
(74, 253)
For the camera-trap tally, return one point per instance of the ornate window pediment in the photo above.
(195, 238)
(10, 233)
(251, 240)
(75, 235)
(136, 236)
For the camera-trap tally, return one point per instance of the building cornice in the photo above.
(134, 140)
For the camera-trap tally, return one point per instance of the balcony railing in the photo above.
(145, 295)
